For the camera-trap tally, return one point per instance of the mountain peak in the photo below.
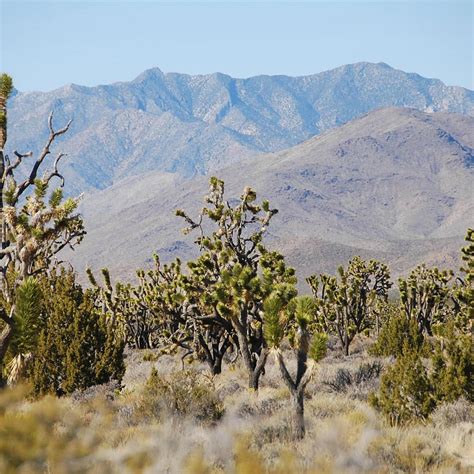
(149, 75)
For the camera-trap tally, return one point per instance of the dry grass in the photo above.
(130, 431)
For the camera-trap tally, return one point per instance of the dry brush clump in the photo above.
(100, 434)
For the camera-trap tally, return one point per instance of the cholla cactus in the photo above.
(235, 273)
(294, 321)
(426, 297)
(33, 226)
(347, 304)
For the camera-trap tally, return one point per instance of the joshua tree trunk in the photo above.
(255, 367)
(297, 401)
(347, 343)
(5, 337)
(214, 352)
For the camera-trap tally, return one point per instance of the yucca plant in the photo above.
(294, 321)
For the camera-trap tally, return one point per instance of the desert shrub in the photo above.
(405, 390)
(49, 435)
(150, 356)
(28, 322)
(367, 372)
(452, 376)
(340, 382)
(185, 393)
(398, 331)
(452, 413)
(345, 378)
(77, 347)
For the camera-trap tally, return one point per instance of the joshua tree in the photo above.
(463, 294)
(346, 304)
(426, 297)
(33, 228)
(228, 283)
(294, 321)
(122, 307)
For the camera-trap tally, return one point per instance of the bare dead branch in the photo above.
(44, 153)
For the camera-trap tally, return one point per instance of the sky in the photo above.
(45, 45)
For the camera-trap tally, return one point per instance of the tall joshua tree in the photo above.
(34, 227)
(235, 273)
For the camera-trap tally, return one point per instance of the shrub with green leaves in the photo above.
(28, 322)
(396, 333)
(405, 391)
(452, 376)
(77, 347)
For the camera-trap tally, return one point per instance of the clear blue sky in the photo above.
(47, 44)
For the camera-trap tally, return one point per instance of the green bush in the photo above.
(405, 390)
(77, 347)
(395, 334)
(453, 366)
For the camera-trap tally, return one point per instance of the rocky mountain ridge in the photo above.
(193, 125)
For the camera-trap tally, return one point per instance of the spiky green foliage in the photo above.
(77, 347)
(405, 390)
(426, 297)
(121, 307)
(225, 288)
(294, 320)
(318, 346)
(6, 87)
(347, 303)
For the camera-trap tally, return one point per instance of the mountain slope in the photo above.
(195, 124)
(395, 183)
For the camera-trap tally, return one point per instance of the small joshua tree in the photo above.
(236, 273)
(426, 297)
(122, 308)
(33, 227)
(294, 320)
(346, 305)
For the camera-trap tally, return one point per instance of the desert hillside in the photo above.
(394, 184)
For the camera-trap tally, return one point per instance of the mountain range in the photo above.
(363, 159)
(194, 125)
(395, 184)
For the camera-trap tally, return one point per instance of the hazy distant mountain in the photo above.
(193, 124)
(396, 183)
